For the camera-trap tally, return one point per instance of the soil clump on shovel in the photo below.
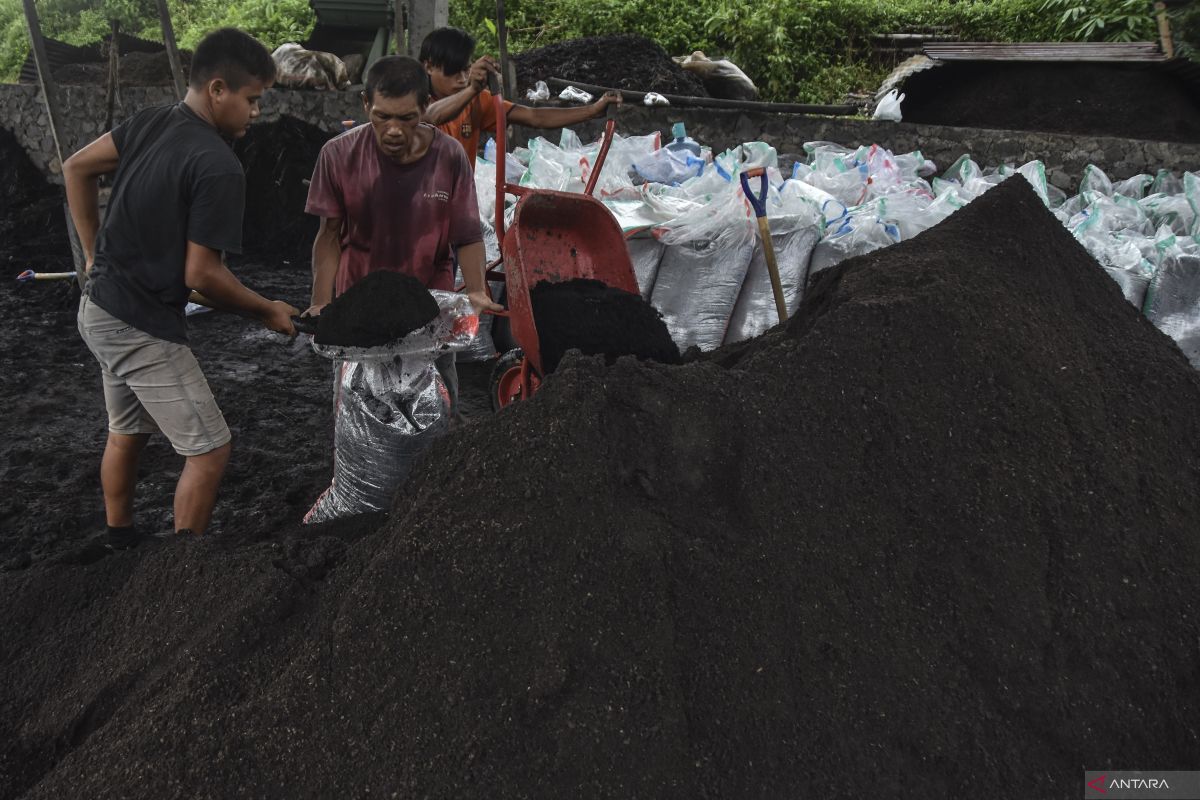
(381, 308)
(937, 531)
(597, 319)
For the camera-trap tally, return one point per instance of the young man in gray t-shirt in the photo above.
(176, 205)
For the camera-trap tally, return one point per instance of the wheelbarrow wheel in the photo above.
(506, 378)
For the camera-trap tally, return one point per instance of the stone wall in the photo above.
(22, 112)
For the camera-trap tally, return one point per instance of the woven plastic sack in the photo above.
(861, 232)
(390, 403)
(1173, 303)
(708, 252)
(646, 253)
(793, 239)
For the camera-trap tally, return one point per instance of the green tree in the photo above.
(1104, 20)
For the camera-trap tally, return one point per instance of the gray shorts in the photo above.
(152, 385)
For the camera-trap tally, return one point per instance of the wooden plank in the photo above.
(1045, 51)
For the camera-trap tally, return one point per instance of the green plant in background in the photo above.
(795, 50)
(85, 22)
(1104, 20)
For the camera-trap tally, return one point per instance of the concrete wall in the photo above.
(22, 112)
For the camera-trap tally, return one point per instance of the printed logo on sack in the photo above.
(1139, 785)
(465, 129)
(438, 195)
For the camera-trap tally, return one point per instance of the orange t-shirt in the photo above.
(477, 116)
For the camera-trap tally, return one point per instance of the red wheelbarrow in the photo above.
(555, 236)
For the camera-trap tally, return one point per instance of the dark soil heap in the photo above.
(937, 532)
(597, 319)
(133, 69)
(379, 309)
(33, 223)
(278, 158)
(1100, 99)
(626, 61)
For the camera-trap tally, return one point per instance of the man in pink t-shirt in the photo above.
(396, 194)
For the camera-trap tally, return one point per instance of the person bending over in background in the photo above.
(396, 194)
(463, 107)
(176, 204)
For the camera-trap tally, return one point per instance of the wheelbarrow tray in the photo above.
(556, 237)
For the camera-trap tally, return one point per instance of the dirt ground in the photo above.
(935, 532)
(276, 396)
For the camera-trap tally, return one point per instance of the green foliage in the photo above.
(798, 50)
(85, 22)
(1104, 20)
(795, 50)
(14, 39)
(273, 22)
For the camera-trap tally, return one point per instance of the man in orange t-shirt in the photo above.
(463, 108)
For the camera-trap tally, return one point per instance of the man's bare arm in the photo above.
(326, 257)
(81, 173)
(562, 117)
(472, 260)
(205, 272)
(447, 108)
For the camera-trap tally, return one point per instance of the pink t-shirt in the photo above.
(402, 217)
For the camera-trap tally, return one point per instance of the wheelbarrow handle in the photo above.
(609, 127)
(757, 202)
(501, 163)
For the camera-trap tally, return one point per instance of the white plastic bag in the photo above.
(668, 166)
(655, 99)
(573, 95)
(889, 106)
(539, 92)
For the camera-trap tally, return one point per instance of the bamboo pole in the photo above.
(168, 34)
(398, 26)
(1164, 29)
(110, 95)
(53, 109)
(502, 41)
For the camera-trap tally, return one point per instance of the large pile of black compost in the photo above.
(936, 532)
(381, 308)
(1131, 101)
(597, 319)
(33, 223)
(279, 158)
(625, 61)
(133, 69)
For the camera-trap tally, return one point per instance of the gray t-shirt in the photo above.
(177, 181)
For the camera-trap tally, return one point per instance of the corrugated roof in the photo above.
(1044, 51)
(941, 53)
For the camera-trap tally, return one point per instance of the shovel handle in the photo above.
(609, 127)
(30, 275)
(757, 202)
